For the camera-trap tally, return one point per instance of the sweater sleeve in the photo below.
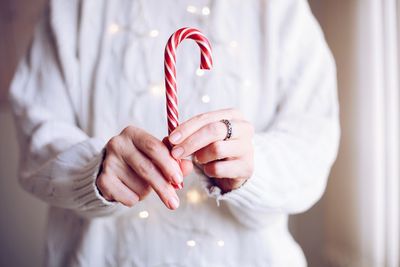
(294, 155)
(59, 162)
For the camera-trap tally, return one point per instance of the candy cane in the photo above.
(170, 68)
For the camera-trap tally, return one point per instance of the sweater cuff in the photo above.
(243, 196)
(259, 188)
(87, 198)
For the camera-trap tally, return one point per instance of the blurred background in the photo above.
(357, 221)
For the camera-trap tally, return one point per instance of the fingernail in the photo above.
(177, 152)
(175, 137)
(178, 178)
(173, 202)
(178, 186)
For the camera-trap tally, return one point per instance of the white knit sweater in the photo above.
(96, 66)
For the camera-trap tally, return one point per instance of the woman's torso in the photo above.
(119, 81)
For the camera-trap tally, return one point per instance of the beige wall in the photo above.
(22, 217)
(22, 220)
(329, 225)
(17, 18)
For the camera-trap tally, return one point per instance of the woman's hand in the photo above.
(135, 163)
(230, 162)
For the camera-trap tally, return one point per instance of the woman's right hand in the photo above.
(135, 163)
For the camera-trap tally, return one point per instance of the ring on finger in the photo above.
(228, 125)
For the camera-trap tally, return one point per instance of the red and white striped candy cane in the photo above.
(170, 68)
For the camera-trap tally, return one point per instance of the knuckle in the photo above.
(107, 162)
(190, 145)
(114, 144)
(201, 117)
(107, 165)
(106, 169)
(129, 130)
(214, 128)
(144, 168)
(151, 145)
(101, 182)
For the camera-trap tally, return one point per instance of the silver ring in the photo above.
(228, 125)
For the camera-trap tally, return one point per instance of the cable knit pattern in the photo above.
(93, 68)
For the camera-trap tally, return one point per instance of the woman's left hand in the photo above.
(230, 162)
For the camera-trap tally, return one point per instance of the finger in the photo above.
(124, 195)
(194, 124)
(222, 150)
(119, 168)
(158, 152)
(186, 167)
(134, 182)
(234, 169)
(145, 168)
(208, 134)
(169, 146)
(113, 189)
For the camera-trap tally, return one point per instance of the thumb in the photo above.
(186, 165)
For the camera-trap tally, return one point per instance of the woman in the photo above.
(90, 110)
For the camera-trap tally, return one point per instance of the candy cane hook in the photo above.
(170, 68)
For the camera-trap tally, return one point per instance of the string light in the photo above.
(205, 99)
(191, 9)
(144, 214)
(114, 28)
(205, 11)
(193, 196)
(191, 243)
(246, 83)
(233, 44)
(154, 33)
(199, 72)
(220, 243)
(157, 89)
